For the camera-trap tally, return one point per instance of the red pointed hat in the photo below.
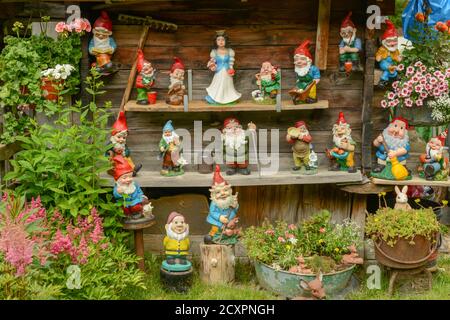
(443, 136)
(178, 64)
(141, 60)
(173, 215)
(390, 31)
(103, 22)
(230, 119)
(341, 119)
(299, 124)
(120, 124)
(402, 120)
(303, 49)
(217, 178)
(121, 166)
(347, 22)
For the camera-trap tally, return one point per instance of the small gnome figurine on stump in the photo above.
(136, 206)
(171, 152)
(433, 163)
(302, 152)
(118, 145)
(145, 79)
(349, 47)
(388, 55)
(268, 81)
(177, 90)
(308, 76)
(102, 44)
(342, 154)
(222, 212)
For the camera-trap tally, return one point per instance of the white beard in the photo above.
(303, 134)
(233, 140)
(127, 189)
(302, 71)
(116, 144)
(433, 153)
(347, 41)
(391, 49)
(267, 76)
(395, 143)
(224, 203)
(174, 81)
(176, 236)
(102, 44)
(337, 139)
(170, 138)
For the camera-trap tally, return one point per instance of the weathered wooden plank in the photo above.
(415, 181)
(323, 30)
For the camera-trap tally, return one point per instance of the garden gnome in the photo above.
(236, 146)
(308, 76)
(118, 145)
(300, 139)
(177, 90)
(434, 165)
(136, 206)
(388, 55)
(145, 79)
(171, 151)
(222, 212)
(176, 242)
(392, 143)
(349, 47)
(102, 45)
(268, 81)
(343, 151)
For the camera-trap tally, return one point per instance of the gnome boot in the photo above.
(142, 102)
(136, 169)
(231, 171)
(341, 66)
(335, 167)
(378, 168)
(208, 239)
(295, 168)
(244, 171)
(311, 100)
(351, 169)
(307, 168)
(429, 172)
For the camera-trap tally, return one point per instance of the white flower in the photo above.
(293, 240)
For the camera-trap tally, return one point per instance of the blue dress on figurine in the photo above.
(221, 90)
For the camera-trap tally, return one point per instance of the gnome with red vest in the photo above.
(350, 46)
(177, 90)
(136, 205)
(145, 79)
(388, 55)
(222, 212)
(118, 142)
(102, 45)
(434, 165)
(307, 76)
(300, 139)
(343, 152)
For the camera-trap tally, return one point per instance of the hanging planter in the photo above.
(420, 116)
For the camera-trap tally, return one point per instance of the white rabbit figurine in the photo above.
(401, 202)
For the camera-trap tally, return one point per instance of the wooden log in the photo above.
(216, 263)
(323, 30)
(358, 215)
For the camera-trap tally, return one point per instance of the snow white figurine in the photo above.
(221, 90)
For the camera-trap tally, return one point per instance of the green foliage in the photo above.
(62, 163)
(282, 244)
(390, 224)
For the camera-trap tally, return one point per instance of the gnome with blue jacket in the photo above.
(102, 45)
(171, 151)
(222, 212)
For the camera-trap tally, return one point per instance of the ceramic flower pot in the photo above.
(49, 92)
(152, 97)
(418, 116)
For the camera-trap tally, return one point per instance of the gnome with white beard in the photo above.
(102, 44)
(177, 90)
(171, 151)
(222, 212)
(350, 45)
(433, 163)
(388, 55)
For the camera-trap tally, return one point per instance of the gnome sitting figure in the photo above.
(145, 79)
(222, 212)
(343, 152)
(171, 152)
(302, 152)
(350, 46)
(177, 90)
(388, 55)
(308, 76)
(102, 44)
(118, 145)
(176, 242)
(434, 164)
(268, 81)
(136, 206)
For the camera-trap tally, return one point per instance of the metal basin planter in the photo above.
(418, 116)
(287, 284)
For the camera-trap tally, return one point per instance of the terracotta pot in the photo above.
(152, 97)
(49, 92)
(348, 66)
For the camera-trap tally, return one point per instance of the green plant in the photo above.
(62, 163)
(282, 245)
(390, 224)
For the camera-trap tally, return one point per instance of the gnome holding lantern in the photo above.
(308, 76)
(145, 80)
(349, 47)
(102, 45)
(176, 242)
(343, 152)
(236, 146)
(268, 81)
(177, 90)
(136, 206)
(118, 145)
(171, 152)
(302, 151)
(388, 55)
(433, 164)
(222, 212)
(392, 149)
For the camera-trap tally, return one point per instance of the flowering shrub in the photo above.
(78, 25)
(60, 71)
(282, 245)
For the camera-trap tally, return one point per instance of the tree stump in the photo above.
(217, 263)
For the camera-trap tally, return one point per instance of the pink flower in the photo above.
(418, 88)
(423, 94)
(384, 103)
(395, 102)
(281, 239)
(418, 64)
(76, 25)
(401, 67)
(391, 95)
(87, 25)
(433, 80)
(419, 102)
(410, 70)
(68, 27)
(395, 84)
(322, 230)
(270, 232)
(409, 102)
(423, 69)
(60, 27)
(292, 227)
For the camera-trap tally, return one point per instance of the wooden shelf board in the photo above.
(195, 179)
(415, 181)
(202, 106)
